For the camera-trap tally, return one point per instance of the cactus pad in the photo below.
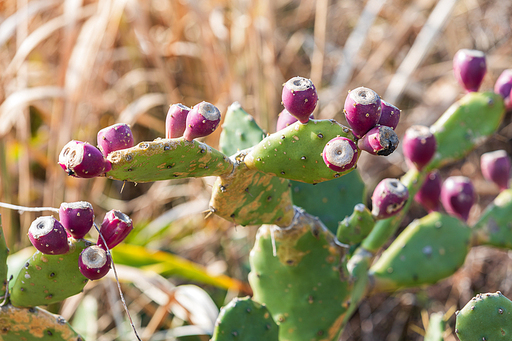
(47, 279)
(353, 229)
(303, 284)
(494, 226)
(164, 159)
(330, 201)
(428, 250)
(249, 197)
(295, 152)
(245, 320)
(466, 124)
(486, 317)
(239, 131)
(34, 324)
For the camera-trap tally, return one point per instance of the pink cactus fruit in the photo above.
(503, 87)
(285, 119)
(48, 236)
(115, 137)
(419, 146)
(362, 110)
(94, 262)
(83, 160)
(495, 167)
(77, 218)
(115, 228)
(388, 198)
(300, 98)
(202, 120)
(176, 121)
(430, 192)
(340, 154)
(458, 196)
(469, 67)
(380, 140)
(389, 115)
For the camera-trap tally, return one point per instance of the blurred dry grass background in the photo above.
(72, 67)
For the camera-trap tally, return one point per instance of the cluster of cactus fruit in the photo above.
(314, 256)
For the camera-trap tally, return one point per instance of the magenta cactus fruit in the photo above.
(389, 115)
(458, 196)
(300, 98)
(202, 120)
(380, 140)
(77, 218)
(94, 262)
(388, 198)
(503, 87)
(115, 228)
(469, 67)
(285, 119)
(115, 137)
(495, 167)
(340, 154)
(48, 236)
(83, 160)
(362, 110)
(419, 146)
(430, 192)
(176, 121)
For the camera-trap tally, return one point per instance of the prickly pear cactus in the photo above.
(295, 152)
(304, 283)
(428, 250)
(354, 228)
(486, 317)
(47, 279)
(4, 252)
(495, 226)
(164, 159)
(245, 320)
(34, 324)
(331, 201)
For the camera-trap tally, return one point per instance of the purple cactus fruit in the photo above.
(94, 262)
(76, 217)
(176, 121)
(419, 146)
(82, 160)
(115, 228)
(285, 119)
(362, 110)
(48, 236)
(503, 87)
(389, 115)
(469, 67)
(300, 98)
(115, 137)
(340, 154)
(202, 120)
(495, 167)
(380, 140)
(388, 198)
(430, 191)
(458, 196)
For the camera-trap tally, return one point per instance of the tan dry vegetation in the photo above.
(70, 68)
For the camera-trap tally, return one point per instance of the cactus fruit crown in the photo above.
(299, 84)
(94, 257)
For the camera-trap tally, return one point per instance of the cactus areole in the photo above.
(300, 98)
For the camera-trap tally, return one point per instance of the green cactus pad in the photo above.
(249, 197)
(47, 279)
(428, 250)
(353, 229)
(466, 124)
(486, 317)
(34, 324)
(245, 320)
(330, 201)
(358, 266)
(4, 252)
(239, 131)
(304, 284)
(436, 326)
(295, 152)
(164, 159)
(495, 224)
